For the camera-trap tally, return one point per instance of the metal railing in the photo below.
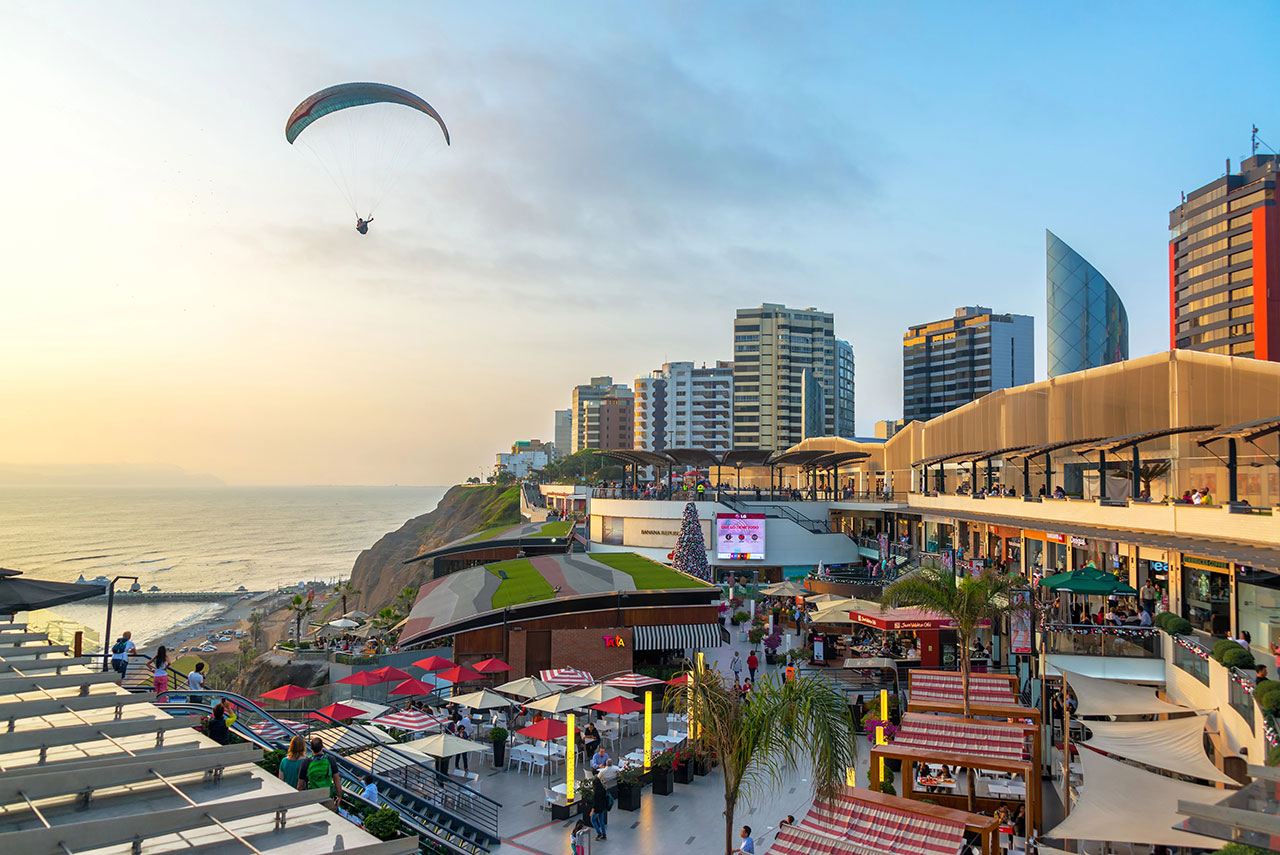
(1135, 642)
(778, 512)
(1191, 656)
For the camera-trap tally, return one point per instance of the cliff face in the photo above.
(380, 572)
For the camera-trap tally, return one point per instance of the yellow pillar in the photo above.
(648, 729)
(569, 761)
(884, 716)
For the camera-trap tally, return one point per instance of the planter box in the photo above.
(664, 781)
(499, 754)
(684, 774)
(562, 812)
(629, 796)
(701, 767)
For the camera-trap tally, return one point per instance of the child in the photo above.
(581, 834)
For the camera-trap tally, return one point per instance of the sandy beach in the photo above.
(234, 616)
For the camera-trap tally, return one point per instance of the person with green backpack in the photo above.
(319, 771)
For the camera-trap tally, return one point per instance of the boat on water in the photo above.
(102, 580)
(153, 589)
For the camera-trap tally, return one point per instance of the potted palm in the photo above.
(664, 777)
(630, 786)
(498, 736)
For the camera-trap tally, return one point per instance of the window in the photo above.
(1253, 199)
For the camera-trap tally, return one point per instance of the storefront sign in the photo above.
(1079, 542)
(1159, 566)
(1055, 538)
(613, 641)
(1210, 564)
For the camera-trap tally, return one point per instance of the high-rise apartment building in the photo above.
(680, 406)
(1224, 264)
(772, 348)
(1087, 325)
(609, 423)
(527, 456)
(599, 389)
(563, 445)
(951, 362)
(844, 390)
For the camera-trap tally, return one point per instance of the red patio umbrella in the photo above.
(388, 673)
(548, 728)
(619, 706)
(491, 666)
(459, 674)
(412, 687)
(679, 680)
(288, 692)
(338, 711)
(362, 678)
(433, 663)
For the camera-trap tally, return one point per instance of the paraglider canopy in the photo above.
(347, 95)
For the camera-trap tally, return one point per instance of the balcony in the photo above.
(1256, 526)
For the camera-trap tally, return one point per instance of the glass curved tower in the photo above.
(1088, 325)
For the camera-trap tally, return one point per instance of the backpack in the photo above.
(119, 647)
(319, 773)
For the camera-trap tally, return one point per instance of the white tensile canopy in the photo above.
(1125, 804)
(1176, 745)
(1097, 696)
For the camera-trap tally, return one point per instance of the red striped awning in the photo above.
(979, 738)
(849, 826)
(945, 687)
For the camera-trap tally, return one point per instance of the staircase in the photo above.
(777, 512)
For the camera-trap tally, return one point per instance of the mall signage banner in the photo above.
(740, 536)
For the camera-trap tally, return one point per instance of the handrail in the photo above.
(779, 512)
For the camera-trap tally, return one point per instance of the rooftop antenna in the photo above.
(1253, 139)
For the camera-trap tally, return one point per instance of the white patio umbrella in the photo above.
(481, 700)
(343, 623)
(560, 702)
(525, 687)
(441, 745)
(600, 693)
(371, 709)
(356, 614)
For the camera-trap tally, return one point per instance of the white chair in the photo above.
(538, 760)
(552, 798)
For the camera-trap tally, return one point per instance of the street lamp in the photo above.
(111, 600)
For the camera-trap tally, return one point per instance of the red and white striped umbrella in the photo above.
(633, 681)
(412, 720)
(270, 730)
(566, 677)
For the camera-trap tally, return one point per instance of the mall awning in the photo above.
(945, 687)
(637, 457)
(1124, 804)
(1115, 443)
(695, 636)
(797, 458)
(746, 457)
(895, 619)
(838, 458)
(1175, 745)
(696, 458)
(962, 736)
(943, 458)
(865, 826)
(1098, 697)
(1049, 447)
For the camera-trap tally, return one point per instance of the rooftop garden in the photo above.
(523, 583)
(556, 529)
(648, 575)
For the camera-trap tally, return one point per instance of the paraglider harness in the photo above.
(362, 225)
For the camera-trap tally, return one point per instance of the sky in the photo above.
(183, 287)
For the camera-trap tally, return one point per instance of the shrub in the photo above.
(1273, 756)
(271, 761)
(1221, 646)
(1267, 694)
(740, 617)
(1241, 849)
(1178, 626)
(772, 643)
(383, 823)
(498, 734)
(756, 634)
(869, 725)
(1163, 618)
(887, 788)
(1238, 658)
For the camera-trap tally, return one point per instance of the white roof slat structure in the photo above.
(78, 703)
(21, 683)
(52, 737)
(12, 653)
(47, 664)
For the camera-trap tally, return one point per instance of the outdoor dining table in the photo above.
(932, 781)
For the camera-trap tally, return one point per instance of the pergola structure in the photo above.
(968, 743)
(1131, 441)
(942, 470)
(987, 457)
(1250, 432)
(1026, 455)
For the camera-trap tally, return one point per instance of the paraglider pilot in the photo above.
(362, 225)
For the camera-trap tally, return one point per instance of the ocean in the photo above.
(193, 539)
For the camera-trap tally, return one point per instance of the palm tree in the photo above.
(1150, 471)
(405, 600)
(255, 626)
(968, 601)
(387, 617)
(302, 608)
(344, 590)
(784, 724)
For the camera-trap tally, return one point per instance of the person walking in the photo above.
(291, 765)
(1149, 595)
(748, 844)
(319, 772)
(753, 662)
(736, 666)
(460, 760)
(160, 680)
(599, 807)
(195, 682)
(120, 653)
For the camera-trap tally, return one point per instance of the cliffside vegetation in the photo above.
(380, 573)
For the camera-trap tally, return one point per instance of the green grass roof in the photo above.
(523, 584)
(648, 575)
(555, 529)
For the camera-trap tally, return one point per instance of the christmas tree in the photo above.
(691, 550)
